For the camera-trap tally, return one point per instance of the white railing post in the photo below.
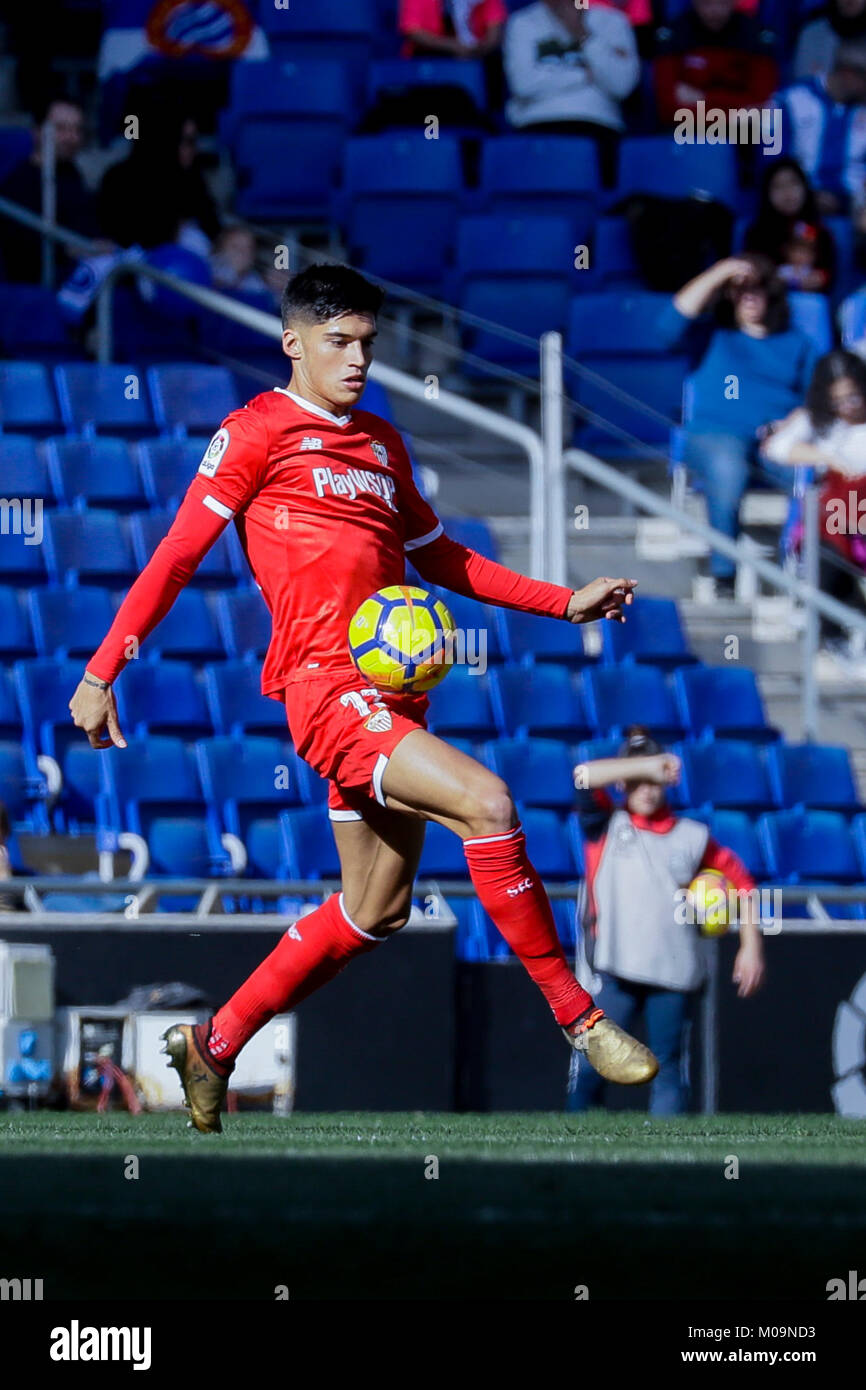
(811, 544)
(554, 467)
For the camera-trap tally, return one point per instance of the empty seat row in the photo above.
(99, 471)
(116, 398)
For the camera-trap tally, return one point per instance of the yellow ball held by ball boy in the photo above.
(709, 901)
(402, 638)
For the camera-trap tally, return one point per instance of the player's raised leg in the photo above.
(428, 776)
(379, 860)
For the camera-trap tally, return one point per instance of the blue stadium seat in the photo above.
(538, 771)
(652, 633)
(472, 532)
(245, 623)
(311, 90)
(328, 29)
(811, 314)
(738, 832)
(542, 700)
(45, 686)
(618, 696)
(84, 546)
(10, 714)
(479, 625)
(157, 772)
(477, 938)
(188, 398)
(442, 855)
(648, 163)
(180, 847)
(503, 245)
(610, 323)
(236, 702)
(108, 397)
(613, 260)
(722, 702)
(95, 473)
(75, 813)
(813, 775)
(70, 622)
(188, 631)
(542, 174)
(287, 169)
(32, 326)
(590, 749)
(727, 773)
(376, 399)
(250, 781)
(410, 185)
(168, 466)
(309, 847)
(27, 399)
(396, 75)
(461, 705)
(162, 698)
(16, 145)
(655, 385)
(24, 470)
(531, 639)
(548, 843)
(22, 791)
(16, 634)
(22, 557)
(528, 309)
(220, 566)
(810, 847)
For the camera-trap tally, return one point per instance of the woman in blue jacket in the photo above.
(753, 367)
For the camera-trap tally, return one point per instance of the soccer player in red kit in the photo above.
(326, 508)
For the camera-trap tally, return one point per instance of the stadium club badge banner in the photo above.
(137, 31)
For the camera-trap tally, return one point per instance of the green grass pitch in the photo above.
(348, 1206)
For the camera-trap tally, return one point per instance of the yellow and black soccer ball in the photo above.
(402, 638)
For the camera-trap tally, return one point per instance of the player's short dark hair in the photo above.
(323, 292)
(639, 743)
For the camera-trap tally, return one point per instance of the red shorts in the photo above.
(346, 730)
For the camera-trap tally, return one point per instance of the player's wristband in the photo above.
(100, 685)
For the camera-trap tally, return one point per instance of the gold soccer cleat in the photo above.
(615, 1054)
(203, 1087)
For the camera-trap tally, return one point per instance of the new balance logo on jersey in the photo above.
(520, 887)
(311, 441)
(353, 481)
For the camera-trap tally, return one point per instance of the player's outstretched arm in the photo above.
(170, 568)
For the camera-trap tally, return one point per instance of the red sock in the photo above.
(510, 890)
(310, 954)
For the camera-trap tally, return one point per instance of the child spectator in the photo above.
(828, 434)
(638, 857)
(714, 55)
(789, 230)
(752, 367)
(822, 34)
(568, 70)
(824, 128)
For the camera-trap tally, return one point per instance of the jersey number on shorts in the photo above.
(356, 698)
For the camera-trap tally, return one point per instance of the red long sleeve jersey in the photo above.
(327, 510)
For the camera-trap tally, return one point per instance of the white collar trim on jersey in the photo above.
(314, 409)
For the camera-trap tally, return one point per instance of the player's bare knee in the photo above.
(490, 809)
(376, 922)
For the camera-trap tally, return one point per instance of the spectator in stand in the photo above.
(824, 128)
(452, 28)
(568, 70)
(789, 230)
(822, 34)
(234, 268)
(158, 194)
(20, 248)
(714, 55)
(650, 961)
(828, 434)
(752, 367)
